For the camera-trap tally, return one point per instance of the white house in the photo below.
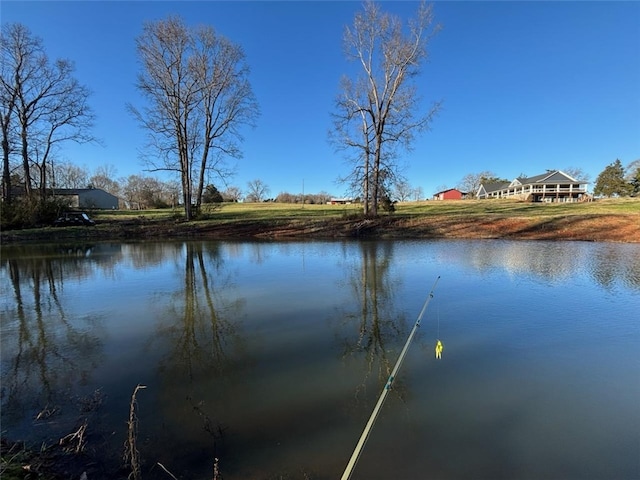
(552, 186)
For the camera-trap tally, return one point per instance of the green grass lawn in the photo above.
(423, 218)
(229, 212)
(236, 211)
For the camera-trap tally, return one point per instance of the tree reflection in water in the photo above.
(196, 324)
(200, 341)
(47, 352)
(379, 327)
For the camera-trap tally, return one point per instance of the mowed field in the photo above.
(602, 220)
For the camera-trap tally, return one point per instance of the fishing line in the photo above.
(372, 419)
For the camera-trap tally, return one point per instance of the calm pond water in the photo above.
(271, 356)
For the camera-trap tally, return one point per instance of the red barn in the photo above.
(451, 194)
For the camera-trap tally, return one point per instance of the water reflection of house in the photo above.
(87, 197)
(450, 194)
(552, 186)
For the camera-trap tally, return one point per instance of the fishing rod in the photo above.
(372, 419)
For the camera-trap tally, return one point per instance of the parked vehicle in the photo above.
(73, 218)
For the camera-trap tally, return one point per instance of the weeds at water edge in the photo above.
(131, 454)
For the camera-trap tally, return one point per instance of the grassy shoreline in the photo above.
(611, 220)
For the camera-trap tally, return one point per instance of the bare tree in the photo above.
(286, 197)
(196, 85)
(471, 182)
(10, 46)
(632, 167)
(577, 173)
(142, 192)
(68, 175)
(320, 198)
(232, 194)
(43, 105)
(379, 111)
(104, 178)
(131, 192)
(442, 187)
(257, 191)
(402, 190)
(632, 176)
(172, 191)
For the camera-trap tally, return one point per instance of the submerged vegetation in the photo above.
(72, 456)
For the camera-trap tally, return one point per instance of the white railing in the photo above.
(555, 190)
(569, 192)
(546, 191)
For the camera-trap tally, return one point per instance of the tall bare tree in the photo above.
(257, 191)
(9, 71)
(198, 99)
(379, 110)
(43, 105)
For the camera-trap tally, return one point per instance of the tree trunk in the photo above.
(203, 168)
(185, 175)
(6, 173)
(25, 162)
(376, 175)
(365, 186)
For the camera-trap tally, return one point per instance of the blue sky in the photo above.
(526, 86)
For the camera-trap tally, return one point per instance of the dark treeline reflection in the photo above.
(373, 329)
(47, 352)
(199, 326)
(199, 336)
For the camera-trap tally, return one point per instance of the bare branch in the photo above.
(198, 98)
(43, 106)
(376, 113)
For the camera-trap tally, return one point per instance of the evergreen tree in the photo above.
(611, 182)
(211, 195)
(635, 183)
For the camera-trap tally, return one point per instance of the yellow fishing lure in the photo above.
(439, 348)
